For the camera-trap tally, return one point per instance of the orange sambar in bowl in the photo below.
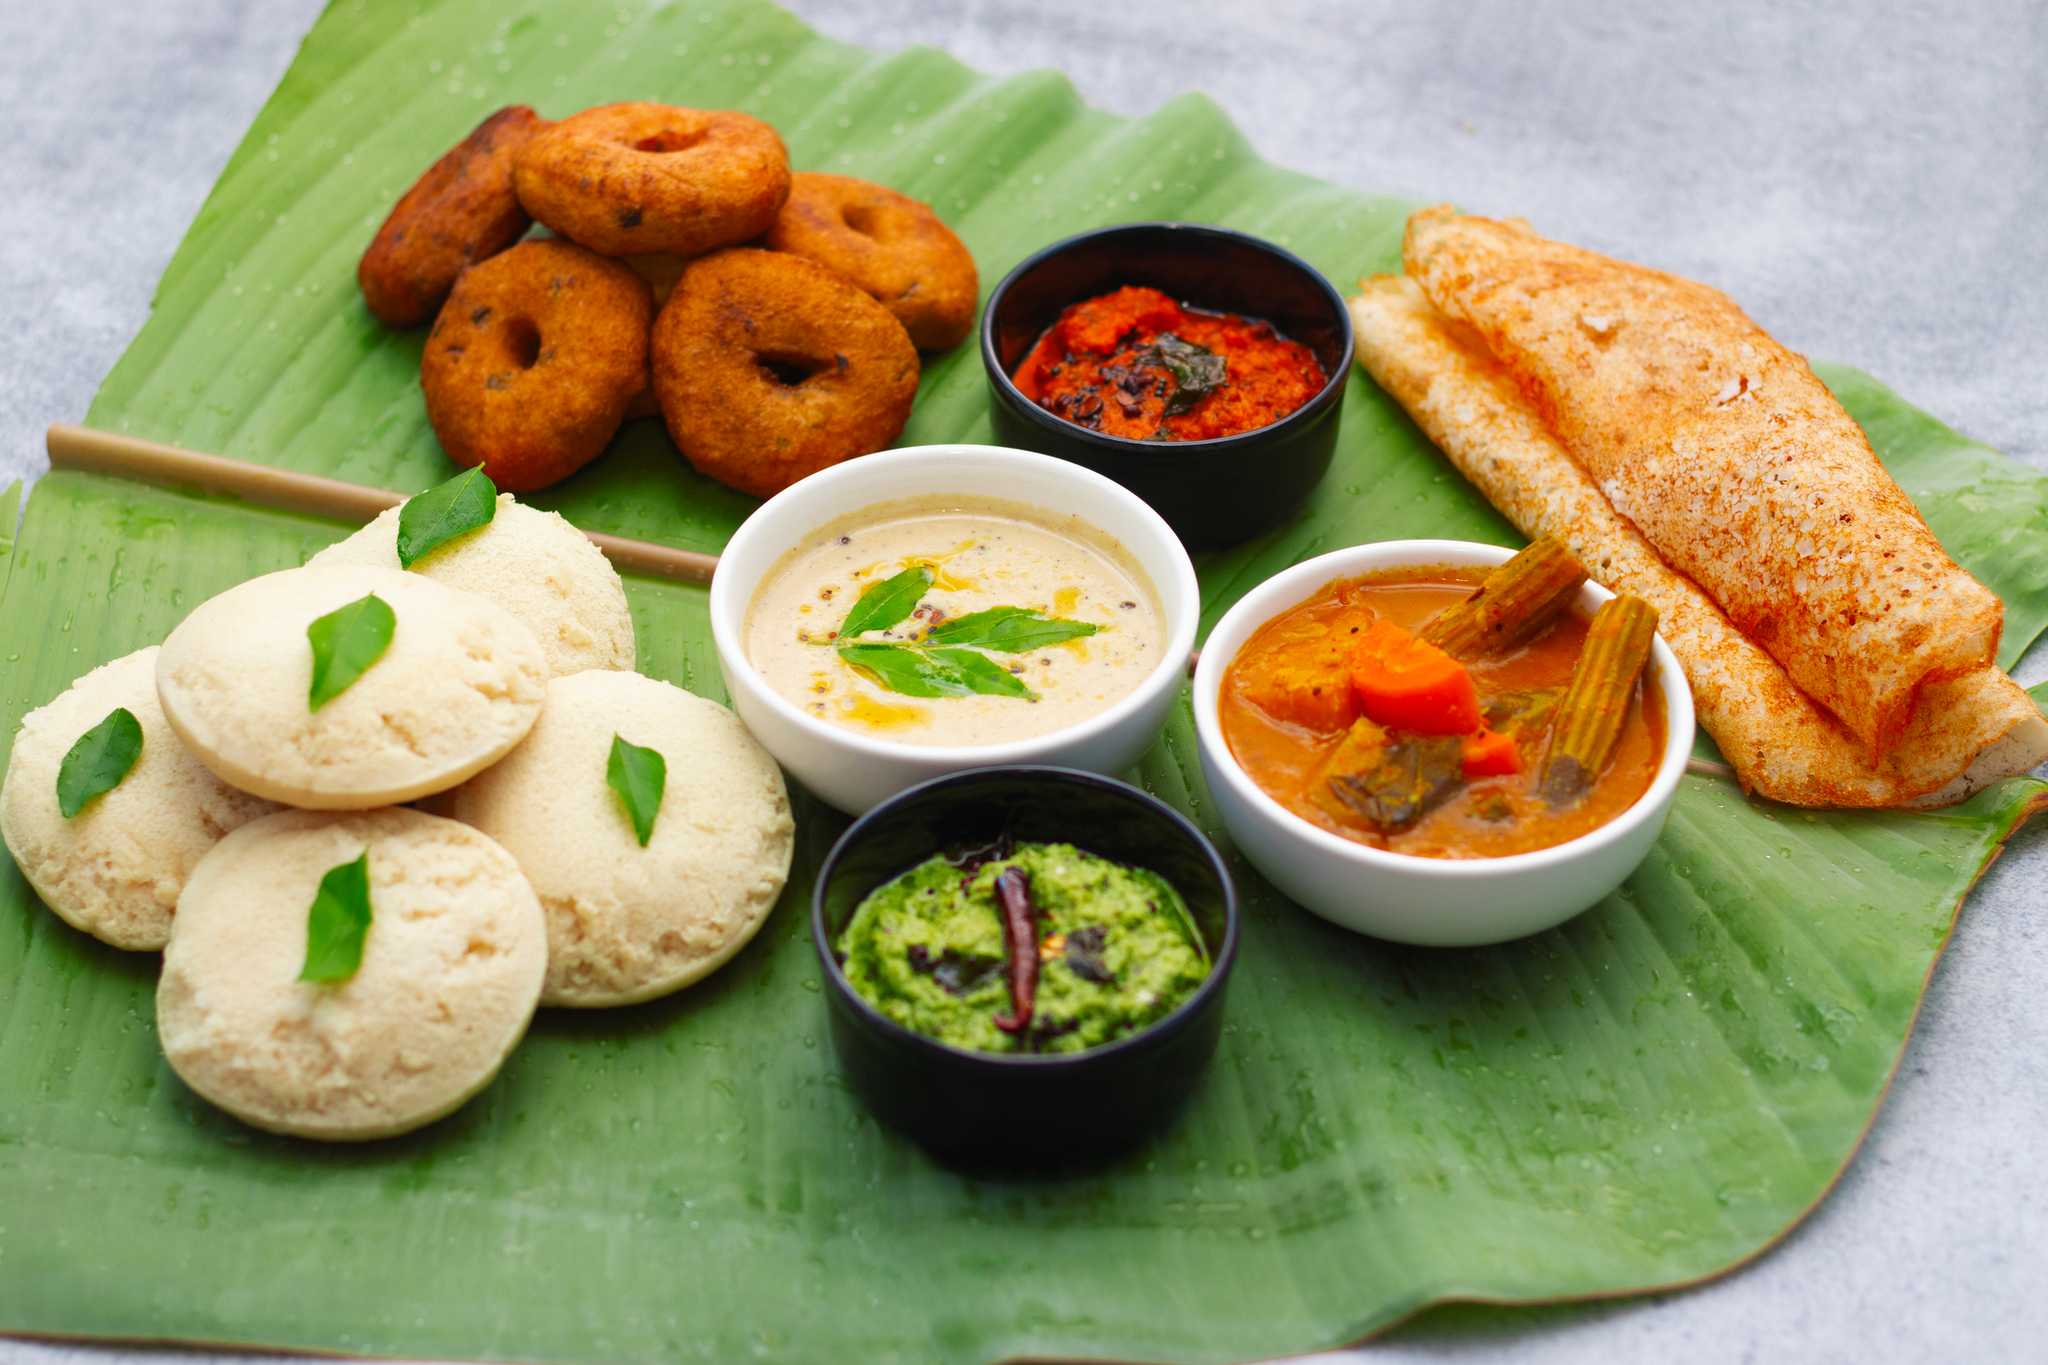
(1292, 714)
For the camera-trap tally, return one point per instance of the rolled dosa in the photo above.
(1967, 732)
(1729, 456)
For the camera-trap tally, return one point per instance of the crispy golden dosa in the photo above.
(1967, 732)
(1730, 457)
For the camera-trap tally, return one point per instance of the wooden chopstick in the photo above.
(128, 457)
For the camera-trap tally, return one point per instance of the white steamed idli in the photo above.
(115, 869)
(459, 685)
(627, 923)
(450, 974)
(532, 563)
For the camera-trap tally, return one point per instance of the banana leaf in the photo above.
(10, 517)
(1650, 1095)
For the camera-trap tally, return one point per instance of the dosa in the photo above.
(1721, 447)
(1967, 731)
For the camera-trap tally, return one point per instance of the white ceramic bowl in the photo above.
(1399, 896)
(854, 771)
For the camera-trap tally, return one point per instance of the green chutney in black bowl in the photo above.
(1024, 964)
(1100, 951)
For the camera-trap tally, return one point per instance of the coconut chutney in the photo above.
(946, 621)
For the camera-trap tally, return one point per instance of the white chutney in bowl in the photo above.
(938, 608)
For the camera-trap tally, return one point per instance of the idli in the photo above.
(459, 683)
(115, 868)
(628, 922)
(450, 972)
(532, 563)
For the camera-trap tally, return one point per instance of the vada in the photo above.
(630, 179)
(534, 360)
(890, 245)
(769, 367)
(460, 212)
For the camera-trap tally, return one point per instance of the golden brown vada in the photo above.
(889, 244)
(531, 365)
(462, 211)
(631, 179)
(769, 367)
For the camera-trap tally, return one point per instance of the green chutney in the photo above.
(1117, 950)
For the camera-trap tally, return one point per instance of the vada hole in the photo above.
(861, 218)
(522, 342)
(668, 140)
(788, 369)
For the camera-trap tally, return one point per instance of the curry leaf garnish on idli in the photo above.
(338, 922)
(639, 776)
(888, 602)
(443, 513)
(346, 641)
(99, 760)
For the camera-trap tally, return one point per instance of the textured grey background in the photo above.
(1869, 180)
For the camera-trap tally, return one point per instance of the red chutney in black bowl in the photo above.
(1193, 329)
(1136, 364)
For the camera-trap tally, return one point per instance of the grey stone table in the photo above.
(1870, 182)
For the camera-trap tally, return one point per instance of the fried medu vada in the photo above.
(533, 361)
(460, 212)
(769, 367)
(660, 272)
(890, 245)
(629, 179)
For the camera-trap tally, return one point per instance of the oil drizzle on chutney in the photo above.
(1136, 364)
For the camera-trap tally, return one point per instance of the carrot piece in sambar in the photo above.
(1405, 683)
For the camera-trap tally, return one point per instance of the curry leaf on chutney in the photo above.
(1009, 630)
(901, 668)
(887, 603)
(1197, 371)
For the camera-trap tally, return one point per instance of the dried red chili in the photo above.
(1020, 938)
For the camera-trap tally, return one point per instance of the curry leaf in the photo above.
(900, 668)
(640, 777)
(1409, 779)
(1084, 955)
(916, 672)
(1009, 630)
(1196, 370)
(444, 512)
(98, 761)
(346, 641)
(338, 923)
(983, 674)
(887, 603)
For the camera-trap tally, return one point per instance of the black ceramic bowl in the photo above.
(1025, 1110)
(1211, 492)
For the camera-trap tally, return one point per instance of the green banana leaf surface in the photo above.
(1649, 1095)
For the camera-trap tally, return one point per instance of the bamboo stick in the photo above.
(129, 457)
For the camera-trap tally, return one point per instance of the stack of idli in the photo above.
(341, 965)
